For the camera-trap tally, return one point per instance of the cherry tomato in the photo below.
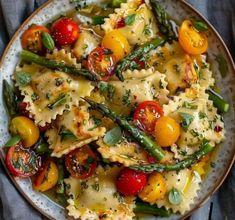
(101, 63)
(146, 114)
(120, 23)
(167, 131)
(22, 162)
(65, 31)
(27, 130)
(81, 162)
(116, 42)
(47, 177)
(191, 40)
(151, 159)
(130, 182)
(155, 188)
(32, 39)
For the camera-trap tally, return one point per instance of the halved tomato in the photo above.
(191, 40)
(101, 63)
(32, 38)
(47, 177)
(146, 114)
(22, 162)
(81, 162)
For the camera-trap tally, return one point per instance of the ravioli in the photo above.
(181, 69)
(51, 92)
(204, 120)
(187, 182)
(97, 198)
(138, 86)
(142, 26)
(125, 153)
(73, 129)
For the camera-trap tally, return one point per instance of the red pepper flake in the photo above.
(135, 97)
(218, 128)
(120, 23)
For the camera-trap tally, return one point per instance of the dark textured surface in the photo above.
(221, 13)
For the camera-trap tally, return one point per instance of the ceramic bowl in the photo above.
(179, 10)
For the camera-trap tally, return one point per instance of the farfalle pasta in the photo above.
(117, 110)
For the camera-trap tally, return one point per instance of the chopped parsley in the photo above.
(96, 186)
(34, 97)
(189, 105)
(61, 99)
(126, 98)
(67, 135)
(130, 19)
(59, 81)
(147, 30)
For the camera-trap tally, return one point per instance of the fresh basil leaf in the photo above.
(130, 19)
(48, 41)
(113, 136)
(187, 119)
(200, 26)
(117, 3)
(23, 78)
(174, 196)
(61, 99)
(67, 135)
(223, 65)
(13, 141)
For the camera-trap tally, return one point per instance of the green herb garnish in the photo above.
(187, 119)
(23, 78)
(113, 136)
(67, 135)
(223, 65)
(200, 26)
(174, 196)
(130, 19)
(13, 141)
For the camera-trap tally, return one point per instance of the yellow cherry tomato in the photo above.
(27, 130)
(155, 188)
(191, 40)
(167, 131)
(116, 42)
(47, 177)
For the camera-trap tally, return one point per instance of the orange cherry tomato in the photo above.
(81, 163)
(191, 40)
(101, 63)
(167, 131)
(47, 177)
(32, 39)
(27, 130)
(146, 114)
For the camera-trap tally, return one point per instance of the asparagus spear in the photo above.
(124, 64)
(218, 101)
(145, 141)
(9, 98)
(192, 159)
(142, 207)
(52, 64)
(164, 24)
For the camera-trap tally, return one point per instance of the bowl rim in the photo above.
(218, 183)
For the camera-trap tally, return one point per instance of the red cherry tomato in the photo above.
(146, 114)
(22, 162)
(101, 62)
(65, 31)
(130, 182)
(81, 162)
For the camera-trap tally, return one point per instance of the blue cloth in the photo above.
(219, 13)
